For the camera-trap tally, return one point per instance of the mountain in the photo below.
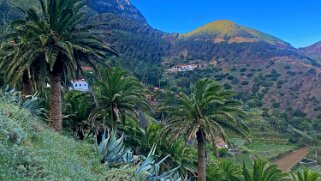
(228, 31)
(120, 7)
(313, 51)
(267, 72)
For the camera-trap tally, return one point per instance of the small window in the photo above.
(79, 85)
(76, 85)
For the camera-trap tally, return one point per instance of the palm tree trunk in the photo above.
(55, 102)
(201, 171)
(26, 85)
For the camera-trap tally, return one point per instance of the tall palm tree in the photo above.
(306, 175)
(56, 41)
(263, 172)
(206, 113)
(118, 96)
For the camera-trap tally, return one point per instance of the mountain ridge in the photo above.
(280, 74)
(313, 51)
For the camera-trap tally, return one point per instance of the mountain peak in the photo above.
(119, 7)
(228, 31)
(223, 23)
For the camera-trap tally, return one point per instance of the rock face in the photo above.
(118, 7)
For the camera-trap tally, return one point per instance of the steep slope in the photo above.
(30, 151)
(120, 7)
(228, 31)
(267, 72)
(313, 51)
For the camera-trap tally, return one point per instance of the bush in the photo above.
(121, 174)
(245, 82)
(243, 69)
(287, 67)
(299, 113)
(227, 86)
(235, 81)
(223, 152)
(276, 105)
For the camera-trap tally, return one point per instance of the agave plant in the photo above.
(142, 139)
(150, 170)
(32, 103)
(115, 154)
(113, 151)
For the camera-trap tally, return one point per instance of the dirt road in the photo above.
(287, 162)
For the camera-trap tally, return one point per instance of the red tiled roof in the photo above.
(84, 68)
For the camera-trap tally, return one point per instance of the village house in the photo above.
(183, 68)
(80, 85)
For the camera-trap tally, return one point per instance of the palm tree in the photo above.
(224, 171)
(118, 96)
(306, 175)
(206, 113)
(59, 45)
(262, 171)
(9, 53)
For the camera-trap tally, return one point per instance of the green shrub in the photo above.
(245, 82)
(223, 152)
(243, 69)
(276, 105)
(235, 81)
(299, 113)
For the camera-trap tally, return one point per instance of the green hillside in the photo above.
(224, 30)
(31, 151)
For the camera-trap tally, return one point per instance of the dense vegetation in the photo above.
(125, 128)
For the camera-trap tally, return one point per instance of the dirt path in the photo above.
(288, 161)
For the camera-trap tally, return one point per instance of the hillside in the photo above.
(31, 151)
(268, 73)
(228, 31)
(313, 51)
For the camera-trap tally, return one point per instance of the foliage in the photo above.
(51, 43)
(209, 109)
(261, 171)
(180, 154)
(30, 151)
(77, 108)
(115, 154)
(113, 151)
(223, 171)
(306, 175)
(206, 114)
(119, 96)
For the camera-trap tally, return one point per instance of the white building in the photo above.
(80, 85)
(182, 68)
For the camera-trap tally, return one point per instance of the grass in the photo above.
(258, 148)
(30, 151)
(268, 150)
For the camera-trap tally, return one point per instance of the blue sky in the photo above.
(295, 21)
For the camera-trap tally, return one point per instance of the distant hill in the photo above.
(313, 51)
(228, 31)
